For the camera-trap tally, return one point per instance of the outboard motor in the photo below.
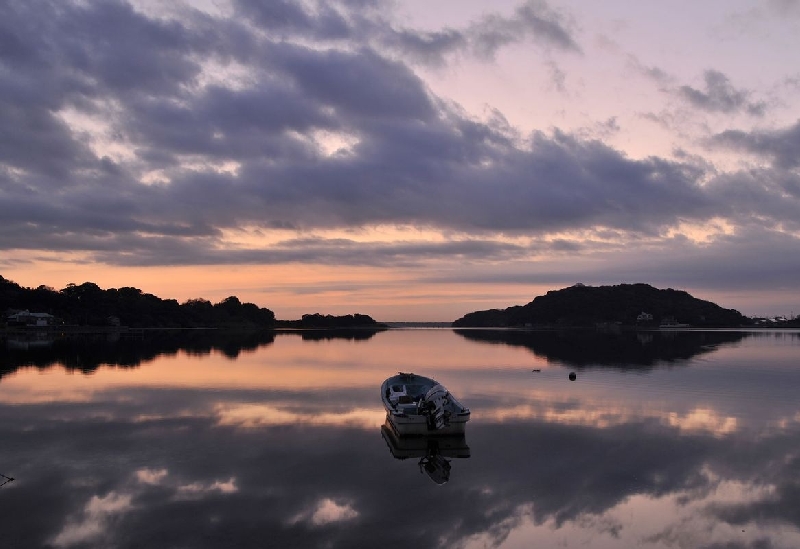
(432, 406)
(437, 468)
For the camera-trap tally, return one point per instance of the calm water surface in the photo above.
(664, 440)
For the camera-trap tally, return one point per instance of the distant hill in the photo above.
(581, 305)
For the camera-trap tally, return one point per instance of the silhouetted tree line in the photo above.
(319, 321)
(581, 305)
(89, 305)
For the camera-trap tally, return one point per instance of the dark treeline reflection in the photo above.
(622, 350)
(189, 482)
(87, 352)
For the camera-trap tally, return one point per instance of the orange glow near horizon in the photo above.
(385, 294)
(423, 289)
(289, 290)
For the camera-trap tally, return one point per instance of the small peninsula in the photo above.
(624, 304)
(318, 321)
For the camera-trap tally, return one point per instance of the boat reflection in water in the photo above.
(433, 451)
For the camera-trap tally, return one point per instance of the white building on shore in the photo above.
(27, 318)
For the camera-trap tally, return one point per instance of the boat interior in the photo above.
(406, 396)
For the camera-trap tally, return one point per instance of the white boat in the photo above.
(418, 405)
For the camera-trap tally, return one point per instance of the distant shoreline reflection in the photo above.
(623, 350)
(579, 348)
(87, 352)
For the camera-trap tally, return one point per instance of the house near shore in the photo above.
(27, 318)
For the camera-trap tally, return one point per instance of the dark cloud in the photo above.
(781, 145)
(285, 17)
(355, 85)
(34, 140)
(726, 263)
(721, 96)
(534, 19)
(547, 24)
(429, 48)
(228, 123)
(416, 160)
(205, 251)
(342, 22)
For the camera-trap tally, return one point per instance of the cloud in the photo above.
(94, 521)
(534, 19)
(198, 490)
(284, 17)
(720, 96)
(326, 511)
(719, 266)
(429, 48)
(431, 173)
(654, 73)
(414, 159)
(134, 137)
(781, 145)
(151, 476)
(340, 22)
(410, 147)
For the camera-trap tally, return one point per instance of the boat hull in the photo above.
(404, 447)
(418, 426)
(401, 395)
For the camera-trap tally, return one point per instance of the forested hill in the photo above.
(318, 321)
(89, 305)
(581, 305)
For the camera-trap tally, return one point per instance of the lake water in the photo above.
(663, 440)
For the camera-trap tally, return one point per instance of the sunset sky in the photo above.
(410, 160)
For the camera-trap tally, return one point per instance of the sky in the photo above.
(408, 160)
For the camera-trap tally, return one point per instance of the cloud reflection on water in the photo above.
(601, 460)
